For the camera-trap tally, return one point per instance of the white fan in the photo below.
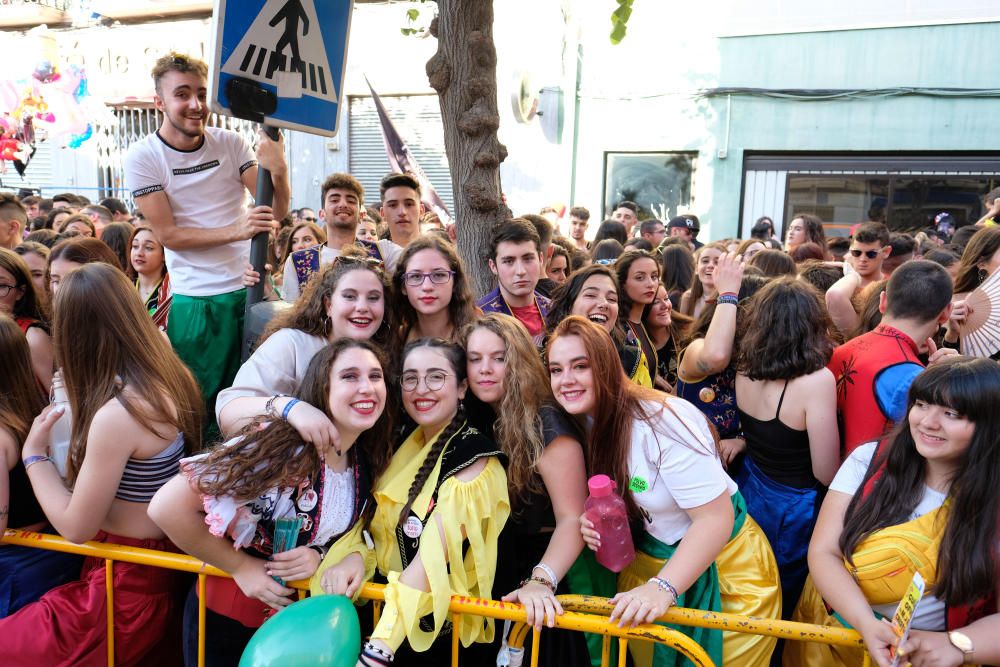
(980, 332)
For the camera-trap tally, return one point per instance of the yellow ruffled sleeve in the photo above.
(473, 511)
(353, 541)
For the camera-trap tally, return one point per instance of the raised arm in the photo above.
(840, 305)
(712, 353)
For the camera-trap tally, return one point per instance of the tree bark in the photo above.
(464, 74)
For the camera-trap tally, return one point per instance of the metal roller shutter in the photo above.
(418, 119)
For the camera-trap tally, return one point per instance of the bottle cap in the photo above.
(600, 485)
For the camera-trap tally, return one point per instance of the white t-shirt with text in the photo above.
(205, 190)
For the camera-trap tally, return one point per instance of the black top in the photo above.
(546, 286)
(781, 452)
(24, 507)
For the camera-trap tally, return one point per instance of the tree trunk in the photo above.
(464, 74)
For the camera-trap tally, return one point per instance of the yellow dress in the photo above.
(472, 512)
(353, 541)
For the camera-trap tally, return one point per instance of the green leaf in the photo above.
(622, 14)
(412, 14)
(618, 33)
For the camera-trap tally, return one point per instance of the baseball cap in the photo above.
(683, 222)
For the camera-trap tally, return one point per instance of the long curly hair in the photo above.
(309, 312)
(518, 426)
(456, 359)
(272, 454)
(967, 564)
(20, 398)
(461, 308)
(104, 341)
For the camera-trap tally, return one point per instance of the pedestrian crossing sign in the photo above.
(296, 49)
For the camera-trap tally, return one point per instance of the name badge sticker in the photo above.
(413, 527)
(637, 484)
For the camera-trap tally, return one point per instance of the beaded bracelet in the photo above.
(549, 572)
(665, 586)
(369, 650)
(539, 580)
(269, 406)
(288, 408)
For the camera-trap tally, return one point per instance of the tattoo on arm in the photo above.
(4, 511)
(703, 368)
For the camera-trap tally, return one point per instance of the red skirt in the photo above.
(68, 625)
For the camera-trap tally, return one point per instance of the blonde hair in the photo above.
(518, 427)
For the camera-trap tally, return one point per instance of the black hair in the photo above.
(918, 290)
(514, 230)
(611, 229)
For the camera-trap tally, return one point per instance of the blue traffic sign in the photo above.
(296, 49)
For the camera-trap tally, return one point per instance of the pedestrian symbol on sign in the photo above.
(272, 51)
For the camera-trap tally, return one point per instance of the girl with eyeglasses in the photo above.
(431, 297)
(345, 300)
(20, 300)
(225, 505)
(440, 507)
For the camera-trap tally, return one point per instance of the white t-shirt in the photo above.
(278, 366)
(205, 190)
(290, 288)
(674, 463)
(930, 614)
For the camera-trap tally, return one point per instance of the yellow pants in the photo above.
(748, 581)
(811, 654)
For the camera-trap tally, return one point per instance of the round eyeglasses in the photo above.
(433, 380)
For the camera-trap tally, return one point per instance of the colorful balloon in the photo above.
(320, 631)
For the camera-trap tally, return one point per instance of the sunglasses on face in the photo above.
(870, 254)
(308, 219)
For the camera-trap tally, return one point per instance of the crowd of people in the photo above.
(791, 426)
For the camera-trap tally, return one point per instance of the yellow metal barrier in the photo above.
(571, 620)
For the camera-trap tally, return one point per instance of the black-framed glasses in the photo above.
(305, 219)
(870, 254)
(5, 289)
(433, 380)
(417, 278)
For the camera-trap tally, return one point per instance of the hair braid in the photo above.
(432, 456)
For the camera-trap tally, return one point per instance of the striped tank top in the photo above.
(142, 478)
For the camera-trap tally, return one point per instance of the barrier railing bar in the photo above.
(606, 651)
(583, 613)
(622, 651)
(456, 632)
(201, 619)
(536, 643)
(109, 588)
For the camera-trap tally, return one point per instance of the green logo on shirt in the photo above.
(637, 485)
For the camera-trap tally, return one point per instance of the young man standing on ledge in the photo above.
(191, 183)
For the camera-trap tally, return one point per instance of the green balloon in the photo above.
(320, 631)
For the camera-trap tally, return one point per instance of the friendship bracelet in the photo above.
(539, 580)
(32, 460)
(731, 299)
(288, 408)
(665, 586)
(729, 294)
(549, 572)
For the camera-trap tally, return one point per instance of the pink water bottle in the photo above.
(606, 510)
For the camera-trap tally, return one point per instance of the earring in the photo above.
(982, 275)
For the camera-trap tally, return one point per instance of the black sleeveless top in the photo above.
(781, 452)
(24, 507)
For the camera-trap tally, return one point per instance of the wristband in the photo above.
(731, 299)
(320, 550)
(32, 460)
(736, 294)
(288, 408)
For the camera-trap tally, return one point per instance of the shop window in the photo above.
(660, 183)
